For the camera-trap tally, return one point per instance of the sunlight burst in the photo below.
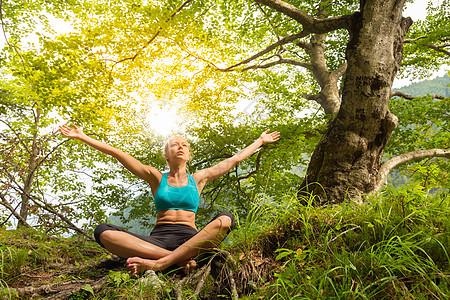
(163, 121)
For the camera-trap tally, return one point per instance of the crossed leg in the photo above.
(125, 245)
(207, 238)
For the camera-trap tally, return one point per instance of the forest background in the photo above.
(123, 71)
(132, 73)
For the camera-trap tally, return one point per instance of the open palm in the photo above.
(270, 137)
(73, 132)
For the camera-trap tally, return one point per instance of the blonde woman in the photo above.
(174, 239)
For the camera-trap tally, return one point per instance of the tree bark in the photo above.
(347, 159)
(29, 179)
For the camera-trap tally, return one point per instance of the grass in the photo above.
(30, 257)
(393, 247)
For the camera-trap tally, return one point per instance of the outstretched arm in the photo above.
(204, 176)
(133, 165)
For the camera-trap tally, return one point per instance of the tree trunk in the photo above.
(29, 178)
(347, 159)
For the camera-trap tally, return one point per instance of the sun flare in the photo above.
(163, 121)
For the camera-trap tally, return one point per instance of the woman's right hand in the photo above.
(74, 133)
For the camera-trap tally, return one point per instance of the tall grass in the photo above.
(394, 246)
(10, 263)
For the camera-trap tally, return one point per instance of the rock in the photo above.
(150, 278)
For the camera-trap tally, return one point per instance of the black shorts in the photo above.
(167, 236)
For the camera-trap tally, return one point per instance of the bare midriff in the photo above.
(176, 216)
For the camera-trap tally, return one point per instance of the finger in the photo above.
(74, 126)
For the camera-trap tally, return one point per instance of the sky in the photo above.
(417, 11)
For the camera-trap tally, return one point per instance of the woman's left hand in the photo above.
(269, 137)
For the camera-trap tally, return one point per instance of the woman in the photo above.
(174, 239)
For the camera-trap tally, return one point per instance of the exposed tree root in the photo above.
(220, 262)
(201, 282)
(63, 290)
(64, 294)
(60, 290)
(218, 273)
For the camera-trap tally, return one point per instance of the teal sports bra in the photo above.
(171, 197)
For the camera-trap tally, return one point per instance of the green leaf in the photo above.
(88, 288)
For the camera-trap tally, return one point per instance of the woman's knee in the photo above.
(227, 220)
(104, 230)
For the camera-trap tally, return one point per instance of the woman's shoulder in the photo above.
(154, 173)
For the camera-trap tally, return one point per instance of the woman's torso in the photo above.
(176, 213)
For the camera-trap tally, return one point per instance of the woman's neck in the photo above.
(178, 171)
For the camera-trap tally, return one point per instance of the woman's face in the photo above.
(177, 149)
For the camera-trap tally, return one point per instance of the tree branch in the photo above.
(49, 208)
(279, 62)
(309, 23)
(6, 204)
(409, 97)
(288, 10)
(283, 41)
(49, 153)
(16, 49)
(394, 162)
(195, 55)
(439, 48)
(10, 215)
(270, 22)
(257, 163)
(407, 41)
(310, 96)
(18, 136)
(153, 37)
(340, 71)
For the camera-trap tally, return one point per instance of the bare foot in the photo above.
(137, 265)
(190, 266)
